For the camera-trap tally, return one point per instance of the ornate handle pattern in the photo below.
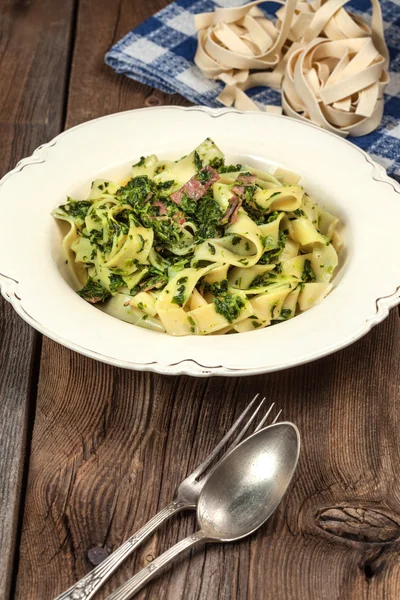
(86, 587)
(134, 584)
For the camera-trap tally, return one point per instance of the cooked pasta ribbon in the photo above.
(200, 247)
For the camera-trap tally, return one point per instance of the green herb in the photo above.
(278, 268)
(93, 291)
(141, 162)
(326, 239)
(236, 240)
(201, 264)
(182, 280)
(116, 282)
(299, 212)
(286, 313)
(229, 168)
(271, 256)
(77, 209)
(229, 306)
(140, 306)
(217, 162)
(192, 323)
(165, 185)
(179, 298)
(256, 324)
(308, 273)
(136, 191)
(262, 280)
(154, 278)
(273, 216)
(197, 162)
(226, 304)
(145, 317)
(142, 241)
(212, 248)
(218, 288)
(205, 214)
(204, 175)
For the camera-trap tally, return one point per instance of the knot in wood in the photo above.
(365, 525)
(152, 101)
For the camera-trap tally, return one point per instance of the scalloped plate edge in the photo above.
(9, 286)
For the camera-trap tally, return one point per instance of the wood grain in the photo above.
(110, 446)
(33, 57)
(95, 89)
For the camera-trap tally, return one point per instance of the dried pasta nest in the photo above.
(329, 63)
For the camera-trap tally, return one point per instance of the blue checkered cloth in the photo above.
(160, 53)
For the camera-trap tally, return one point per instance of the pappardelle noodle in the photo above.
(197, 246)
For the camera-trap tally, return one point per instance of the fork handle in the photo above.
(86, 587)
(133, 585)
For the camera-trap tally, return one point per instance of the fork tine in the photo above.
(265, 417)
(277, 417)
(240, 435)
(224, 440)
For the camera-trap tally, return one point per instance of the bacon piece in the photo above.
(231, 213)
(163, 209)
(179, 217)
(195, 188)
(156, 285)
(245, 179)
(93, 300)
(238, 190)
(242, 182)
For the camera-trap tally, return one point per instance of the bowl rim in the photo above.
(189, 366)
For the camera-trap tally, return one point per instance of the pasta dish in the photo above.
(198, 246)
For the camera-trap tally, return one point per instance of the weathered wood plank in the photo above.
(95, 89)
(33, 58)
(110, 446)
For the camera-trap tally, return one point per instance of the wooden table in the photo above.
(88, 453)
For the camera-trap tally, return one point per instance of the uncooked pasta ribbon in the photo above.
(330, 65)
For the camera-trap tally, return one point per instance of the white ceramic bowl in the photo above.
(340, 176)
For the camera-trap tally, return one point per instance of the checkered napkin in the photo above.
(160, 53)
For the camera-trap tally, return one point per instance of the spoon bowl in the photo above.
(248, 484)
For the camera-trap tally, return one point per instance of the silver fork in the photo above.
(186, 498)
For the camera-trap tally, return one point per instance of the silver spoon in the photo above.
(239, 496)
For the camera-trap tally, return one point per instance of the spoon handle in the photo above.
(133, 585)
(86, 587)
